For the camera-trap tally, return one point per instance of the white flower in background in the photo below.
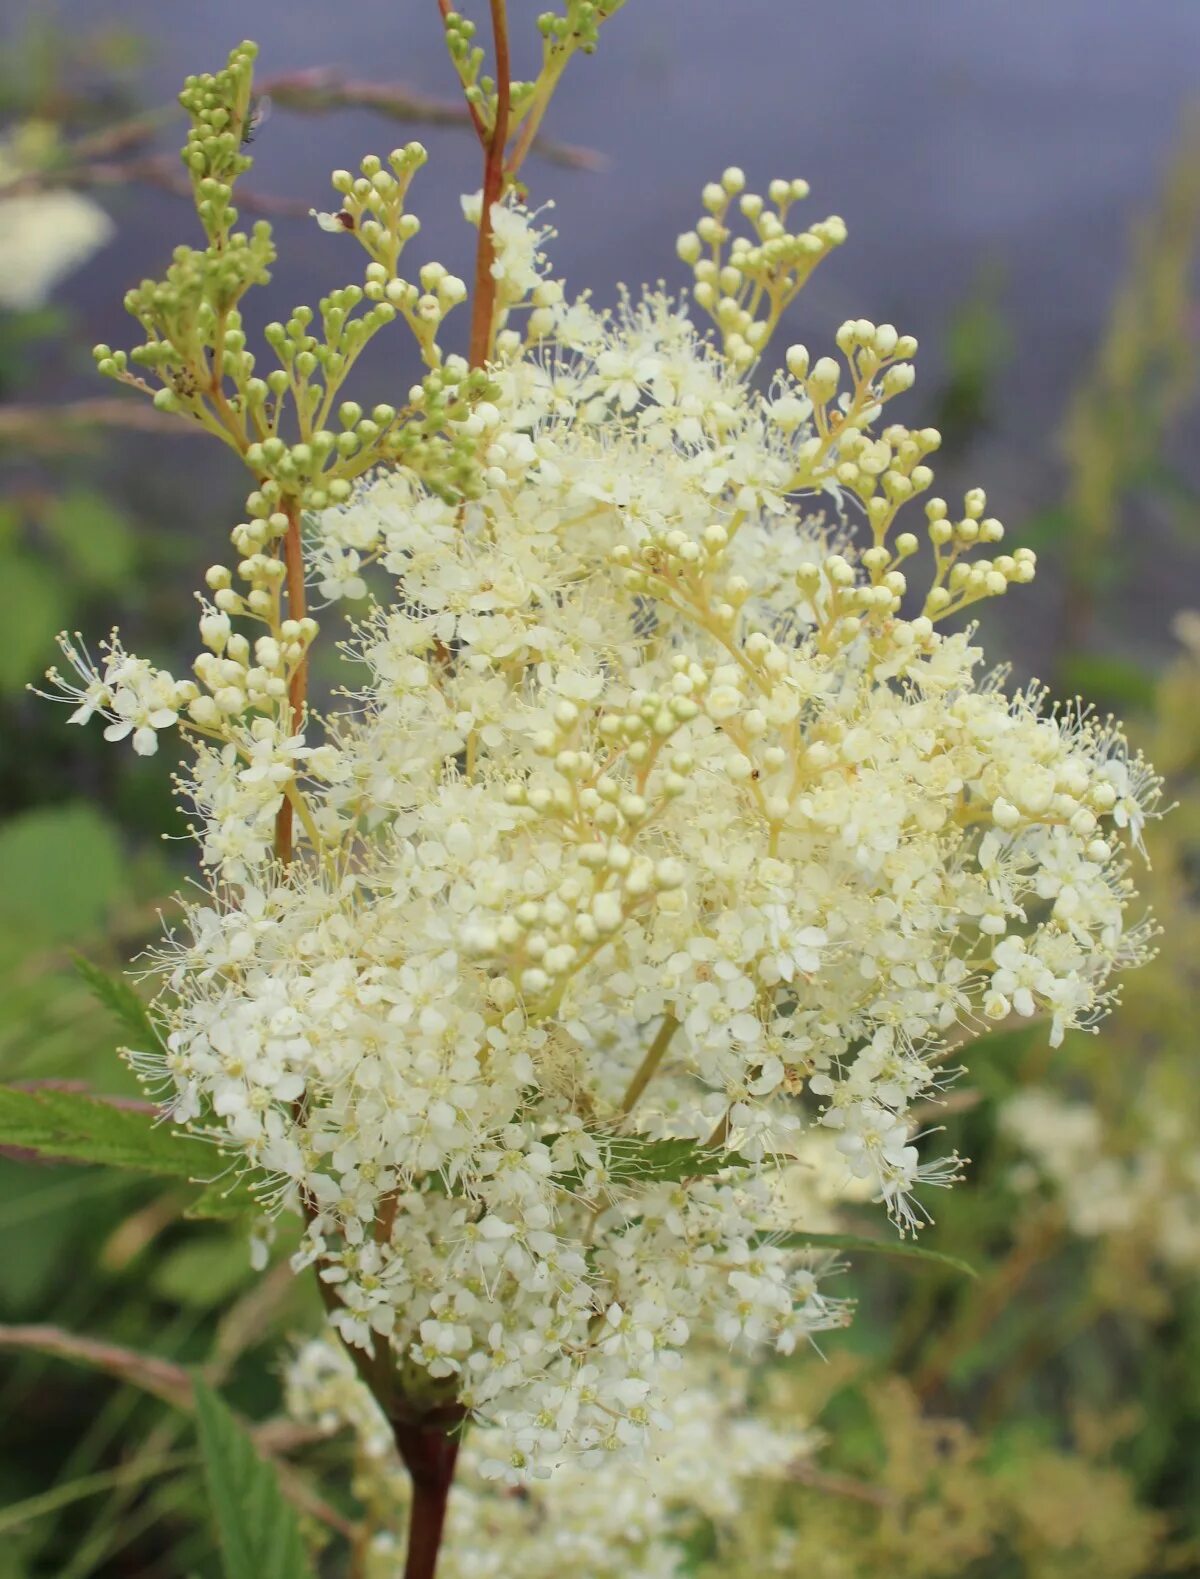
(1150, 1188)
(45, 235)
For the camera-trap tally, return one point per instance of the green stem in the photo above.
(649, 1064)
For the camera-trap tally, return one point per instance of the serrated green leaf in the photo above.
(69, 1126)
(115, 993)
(857, 1243)
(78, 1128)
(258, 1532)
(634, 1159)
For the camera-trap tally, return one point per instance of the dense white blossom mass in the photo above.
(660, 822)
(608, 1520)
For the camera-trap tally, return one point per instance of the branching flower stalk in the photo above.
(484, 308)
(661, 832)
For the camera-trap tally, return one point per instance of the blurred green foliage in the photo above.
(977, 344)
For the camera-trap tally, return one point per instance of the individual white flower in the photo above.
(137, 700)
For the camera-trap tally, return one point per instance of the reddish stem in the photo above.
(429, 1448)
(293, 556)
(484, 307)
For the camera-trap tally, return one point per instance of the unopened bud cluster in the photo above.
(281, 421)
(744, 283)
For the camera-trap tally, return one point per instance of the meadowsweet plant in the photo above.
(662, 818)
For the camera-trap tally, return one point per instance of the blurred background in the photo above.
(1021, 182)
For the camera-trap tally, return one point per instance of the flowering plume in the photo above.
(664, 822)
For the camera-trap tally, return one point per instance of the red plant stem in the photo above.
(293, 556)
(429, 1449)
(484, 308)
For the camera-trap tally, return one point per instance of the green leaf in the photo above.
(69, 1126)
(856, 1243)
(634, 1159)
(78, 1128)
(226, 1199)
(115, 993)
(258, 1531)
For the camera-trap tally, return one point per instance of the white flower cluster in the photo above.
(655, 831)
(614, 1520)
(1151, 1189)
(136, 699)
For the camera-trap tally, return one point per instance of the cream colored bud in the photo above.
(899, 377)
(215, 631)
(1005, 815)
(823, 380)
(722, 702)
